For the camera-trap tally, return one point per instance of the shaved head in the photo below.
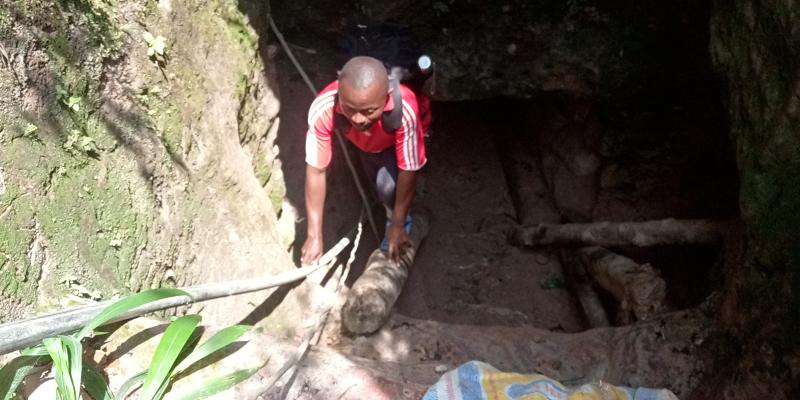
(362, 72)
(363, 90)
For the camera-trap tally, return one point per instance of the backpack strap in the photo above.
(392, 120)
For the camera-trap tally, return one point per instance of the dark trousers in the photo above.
(381, 171)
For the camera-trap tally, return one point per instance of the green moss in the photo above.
(102, 214)
(6, 22)
(263, 171)
(18, 278)
(164, 117)
(238, 25)
(60, 49)
(96, 16)
(276, 196)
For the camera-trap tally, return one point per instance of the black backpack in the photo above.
(398, 49)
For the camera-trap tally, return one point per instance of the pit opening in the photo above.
(650, 147)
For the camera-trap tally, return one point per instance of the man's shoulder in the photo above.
(327, 94)
(324, 101)
(331, 88)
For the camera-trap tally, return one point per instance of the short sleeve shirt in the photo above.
(407, 140)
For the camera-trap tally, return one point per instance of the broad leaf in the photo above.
(66, 352)
(127, 304)
(37, 350)
(173, 342)
(14, 372)
(212, 386)
(95, 384)
(215, 343)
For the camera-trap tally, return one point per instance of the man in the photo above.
(391, 159)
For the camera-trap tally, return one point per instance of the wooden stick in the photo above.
(373, 295)
(648, 233)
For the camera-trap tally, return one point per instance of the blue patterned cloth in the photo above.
(480, 381)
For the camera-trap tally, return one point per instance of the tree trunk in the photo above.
(649, 233)
(372, 296)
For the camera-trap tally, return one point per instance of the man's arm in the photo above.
(404, 195)
(315, 200)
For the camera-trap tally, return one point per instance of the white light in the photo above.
(424, 62)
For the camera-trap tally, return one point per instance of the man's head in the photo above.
(363, 87)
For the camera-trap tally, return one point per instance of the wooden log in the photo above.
(638, 287)
(370, 300)
(580, 283)
(526, 185)
(648, 233)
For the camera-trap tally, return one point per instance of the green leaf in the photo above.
(95, 384)
(553, 282)
(130, 383)
(74, 102)
(30, 129)
(210, 346)
(37, 350)
(176, 336)
(212, 386)
(160, 46)
(66, 352)
(127, 304)
(14, 372)
(148, 37)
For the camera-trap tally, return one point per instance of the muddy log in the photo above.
(648, 233)
(580, 283)
(638, 287)
(370, 300)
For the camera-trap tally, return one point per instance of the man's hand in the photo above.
(312, 250)
(398, 241)
(315, 200)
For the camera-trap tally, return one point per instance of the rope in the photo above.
(314, 92)
(317, 323)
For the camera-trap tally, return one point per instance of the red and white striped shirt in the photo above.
(407, 139)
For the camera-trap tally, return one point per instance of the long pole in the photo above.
(20, 334)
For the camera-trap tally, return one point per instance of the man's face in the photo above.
(362, 107)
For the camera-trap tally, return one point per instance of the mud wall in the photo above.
(121, 169)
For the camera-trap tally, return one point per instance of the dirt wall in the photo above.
(754, 48)
(122, 170)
